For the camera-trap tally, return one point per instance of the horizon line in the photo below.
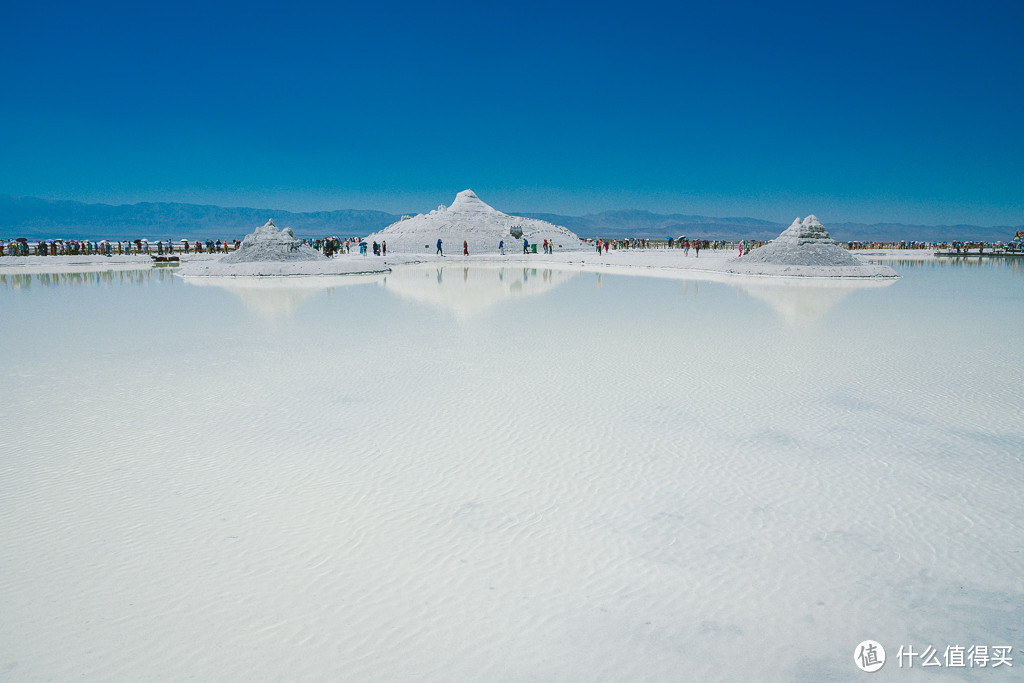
(525, 213)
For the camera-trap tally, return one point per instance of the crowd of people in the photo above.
(61, 247)
(331, 246)
(955, 245)
(683, 243)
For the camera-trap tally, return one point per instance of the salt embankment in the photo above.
(268, 251)
(471, 220)
(804, 249)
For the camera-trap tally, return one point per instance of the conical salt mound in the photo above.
(269, 252)
(267, 243)
(804, 249)
(470, 220)
(804, 243)
(467, 202)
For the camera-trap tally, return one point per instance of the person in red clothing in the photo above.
(465, 248)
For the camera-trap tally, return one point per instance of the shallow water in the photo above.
(503, 473)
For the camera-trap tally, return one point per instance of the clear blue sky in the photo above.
(856, 111)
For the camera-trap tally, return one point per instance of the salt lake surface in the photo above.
(490, 473)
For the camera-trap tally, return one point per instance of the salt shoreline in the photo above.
(669, 263)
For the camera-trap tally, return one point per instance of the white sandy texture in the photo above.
(469, 219)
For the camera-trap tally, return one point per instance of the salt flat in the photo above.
(589, 476)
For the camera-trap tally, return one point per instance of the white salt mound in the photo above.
(269, 252)
(471, 220)
(270, 244)
(805, 249)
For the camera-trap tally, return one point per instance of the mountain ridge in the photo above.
(35, 218)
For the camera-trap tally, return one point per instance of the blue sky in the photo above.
(868, 111)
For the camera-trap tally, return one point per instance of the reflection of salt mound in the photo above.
(270, 244)
(273, 296)
(269, 252)
(471, 220)
(805, 249)
(804, 300)
(467, 290)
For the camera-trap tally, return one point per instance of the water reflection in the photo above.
(281, 295)
(15, 280)
(797, 299)
(468, 290)
(805, 300)
(1014, 264)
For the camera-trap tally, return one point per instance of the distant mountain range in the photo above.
(35, 218)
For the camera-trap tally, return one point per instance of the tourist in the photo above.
(696, 248)
(465, 248)
(501, 247)
(439, 247)
(383, 248)
(526, 245)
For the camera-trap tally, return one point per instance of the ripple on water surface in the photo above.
(388, 481)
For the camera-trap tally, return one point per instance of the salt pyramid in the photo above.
(270, 244)
(804, 249)
(469, 219)
(269, 252)
(804, 243)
